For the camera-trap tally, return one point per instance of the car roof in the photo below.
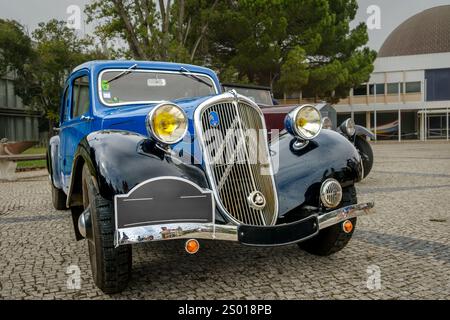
(97, 65)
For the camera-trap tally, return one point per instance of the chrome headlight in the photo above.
(327, 123)
(167, 123)
(304, 122)
(348, 127)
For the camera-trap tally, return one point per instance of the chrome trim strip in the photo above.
(143, 70)
(192, 197)
(233, 98)
(153, 222)
(141, 199)
(213, 231)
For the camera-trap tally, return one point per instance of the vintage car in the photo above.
(355, 133)
(151, 151)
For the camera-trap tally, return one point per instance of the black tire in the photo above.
(365, 150)
(111, 267)
(58, 198)
(332, 239)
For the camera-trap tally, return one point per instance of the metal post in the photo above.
(447, 124)
(424, 94)
(375, 123)
(399, 125)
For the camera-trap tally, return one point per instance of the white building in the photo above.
(408, 95)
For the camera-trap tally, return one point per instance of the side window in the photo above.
(80, 96)
(65, 105)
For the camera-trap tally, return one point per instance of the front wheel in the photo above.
(111, 267)
(332, 239)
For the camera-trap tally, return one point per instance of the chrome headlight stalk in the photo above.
(304, 122)
(348, 127)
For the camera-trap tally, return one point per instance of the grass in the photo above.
(32, 163)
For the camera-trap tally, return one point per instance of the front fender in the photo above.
(120, 160)
(301, 173)
(363, 131)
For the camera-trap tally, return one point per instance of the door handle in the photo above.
(86, 118)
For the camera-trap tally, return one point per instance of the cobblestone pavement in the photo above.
(407, 241)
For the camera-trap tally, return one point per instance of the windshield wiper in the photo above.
(189, 74)
(123, 73)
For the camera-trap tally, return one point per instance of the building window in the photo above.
(438, 84)
(360, 90)
(3, 101)
(11, 94)
(379, 88)
(392, 88)
(413, 87)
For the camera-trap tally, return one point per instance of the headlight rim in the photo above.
(293, 116)
(149, 123)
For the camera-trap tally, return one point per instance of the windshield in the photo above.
(138, 86)
(260, 96)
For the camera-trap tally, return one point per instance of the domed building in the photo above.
(408, 94)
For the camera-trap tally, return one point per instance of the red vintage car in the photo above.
(276, 113)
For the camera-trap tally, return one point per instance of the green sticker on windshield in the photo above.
(105, 85)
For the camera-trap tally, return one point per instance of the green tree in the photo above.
(154, 30)
(294, 72)
(41, 65)
(263, 40)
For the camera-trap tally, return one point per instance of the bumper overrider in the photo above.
(167, 208)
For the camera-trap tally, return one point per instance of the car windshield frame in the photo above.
(118, 104)
(238, 88)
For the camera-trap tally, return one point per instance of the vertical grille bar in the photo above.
(236, 160)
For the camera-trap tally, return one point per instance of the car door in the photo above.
(77, 122)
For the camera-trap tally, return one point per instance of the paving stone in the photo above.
(408, 239)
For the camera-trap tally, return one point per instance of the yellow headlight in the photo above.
(167, 123)
(304, 122)
(308, 122)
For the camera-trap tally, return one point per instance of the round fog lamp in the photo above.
(331, 193)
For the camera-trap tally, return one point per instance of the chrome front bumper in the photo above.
(224, 232)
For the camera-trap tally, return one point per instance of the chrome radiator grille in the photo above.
(237, 156)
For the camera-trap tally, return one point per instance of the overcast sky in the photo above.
(392, 13)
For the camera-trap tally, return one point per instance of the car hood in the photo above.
(132, 117)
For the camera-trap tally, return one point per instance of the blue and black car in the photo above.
(152, 151)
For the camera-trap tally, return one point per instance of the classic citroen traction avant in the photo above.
(151, 151)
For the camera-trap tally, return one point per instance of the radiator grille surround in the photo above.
(233, 136)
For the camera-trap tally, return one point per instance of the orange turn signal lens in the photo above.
(347, 226)
(192, 246)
